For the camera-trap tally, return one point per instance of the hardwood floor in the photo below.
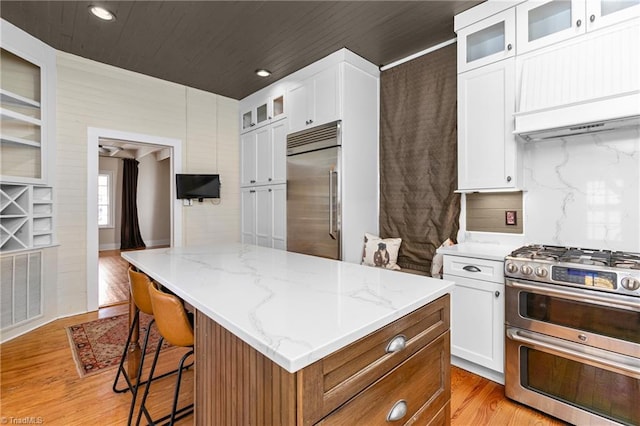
(113, 280)
(478, 401)
(39, 379)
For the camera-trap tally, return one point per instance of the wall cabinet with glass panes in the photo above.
(262, 112)
(27, 140)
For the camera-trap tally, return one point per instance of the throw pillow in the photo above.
(380, 252)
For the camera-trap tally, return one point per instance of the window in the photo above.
(105, 200)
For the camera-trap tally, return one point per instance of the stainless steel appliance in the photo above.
(573, 333)
(313, 191)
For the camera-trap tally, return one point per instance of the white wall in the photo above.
(154, 203)
(110, 237)
(90, 94)
(582, 191)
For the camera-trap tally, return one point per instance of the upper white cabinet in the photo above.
(262, 112)
(543, 23)
(263, 154)
(602, 13)
(487, 148)
(27, 117)
(316, 100)
(487, 41)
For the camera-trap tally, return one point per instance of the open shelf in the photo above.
(12, 115)
(19, 141)
(10, 98)
(26, 217)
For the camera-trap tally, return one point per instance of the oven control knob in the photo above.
(527, 270)
(630, 283)
(541, 272)
(512, 268)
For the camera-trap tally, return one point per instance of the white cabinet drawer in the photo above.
(480, 269)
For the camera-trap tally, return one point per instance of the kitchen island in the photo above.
(286, 338)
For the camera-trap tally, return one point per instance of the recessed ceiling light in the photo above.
(102, 13)
(263, 73)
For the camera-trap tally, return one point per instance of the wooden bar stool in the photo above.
(176, 327)
(139, 287)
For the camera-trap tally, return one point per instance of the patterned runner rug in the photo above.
(97, 345)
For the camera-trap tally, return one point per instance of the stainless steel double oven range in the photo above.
(573, 333)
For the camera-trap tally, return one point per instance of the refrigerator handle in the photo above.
(331, 206)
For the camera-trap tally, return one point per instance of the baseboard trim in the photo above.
(485, 372)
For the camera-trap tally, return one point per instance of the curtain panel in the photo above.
(418, 156)
(130, 237)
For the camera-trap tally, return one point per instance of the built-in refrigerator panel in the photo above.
(314, 193)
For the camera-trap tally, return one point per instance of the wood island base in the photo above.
(358, 384)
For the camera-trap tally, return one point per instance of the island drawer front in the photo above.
(330, 382)
(422, 383)
(477, 269)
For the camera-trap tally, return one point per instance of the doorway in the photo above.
(153, 206)
(108, 138)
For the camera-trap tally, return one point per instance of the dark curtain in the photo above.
(418, 156)
(130, 237)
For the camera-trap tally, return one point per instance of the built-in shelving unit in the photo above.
(26, 217)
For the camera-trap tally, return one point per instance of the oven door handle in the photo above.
(593, 356)
(579, 295)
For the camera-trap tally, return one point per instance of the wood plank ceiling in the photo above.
(217, 45)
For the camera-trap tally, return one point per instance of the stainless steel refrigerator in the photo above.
(313, 191)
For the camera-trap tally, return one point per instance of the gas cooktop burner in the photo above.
(604, 270)
(579, 256)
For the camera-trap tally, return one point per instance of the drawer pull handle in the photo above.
(396, 344)
(471, 268)
(398, 411)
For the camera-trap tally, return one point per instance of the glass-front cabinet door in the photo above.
(601, 13)
(541, 23)
(487, 41)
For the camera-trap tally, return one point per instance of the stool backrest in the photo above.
(139, 286)
(171, 318)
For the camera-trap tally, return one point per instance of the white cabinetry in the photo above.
(477, 314)
(264, 216)
(263, 155)
(26, 217)
(316, 100)
(487, 148)
(487, 41)
(543, 23)
(262, 112)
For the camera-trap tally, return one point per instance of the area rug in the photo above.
(97, 345)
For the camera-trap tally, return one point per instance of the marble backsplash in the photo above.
(581, 191)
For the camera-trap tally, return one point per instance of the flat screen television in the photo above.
(197, 186)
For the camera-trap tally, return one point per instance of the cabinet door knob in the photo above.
(508, 178)
(270, 179)
(252, 124)
(252, 190)
(509, 46)
(252, 181)
(578, 22)
(592, 18)
(269, 118)
(396, 344)
(310, 121)
(471, 268)
(398, 411)
(270, 189)
(497, 293)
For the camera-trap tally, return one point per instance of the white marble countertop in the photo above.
(293, 308)
(479, 250)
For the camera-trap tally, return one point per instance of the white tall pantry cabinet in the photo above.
(341, 86)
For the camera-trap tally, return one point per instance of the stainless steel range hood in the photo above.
(586, 86)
